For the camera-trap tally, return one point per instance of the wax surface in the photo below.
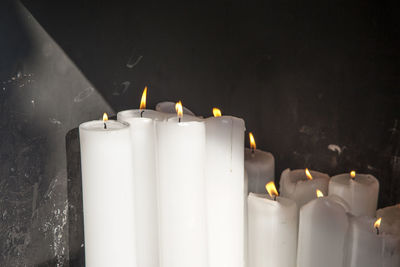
(260, 167)
(140, 113)
(225, 191)
(272, 231)
(108, 194)
(143, 138)
(361, 193)
(182, 191)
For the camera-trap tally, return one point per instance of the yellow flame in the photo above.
(143, 100)
(271, 189)
(105, 117)
(353, 174)
(319, 193)
(308, 174)
(217, 112)
(377, 224)
(179, 109)
(252, 141)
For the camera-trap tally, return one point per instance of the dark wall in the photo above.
(317, 82)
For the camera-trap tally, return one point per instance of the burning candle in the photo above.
(108, 193)
(182, 191)
(272, 229)
(143, 139)
(142, 112)
(371, 247)
(225, 190)
(360, 191)
(300, 185)
(260, 166)
(390, 219)
(323, 228)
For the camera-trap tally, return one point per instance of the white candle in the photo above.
(272, 231)
(225, 191)
(108, 194)
(169, 107)
(323, 228)
(143, 140)
(297, 185)
(390, 219)
(370, 247)
(260, 166)
(182, 204)
(360, 192)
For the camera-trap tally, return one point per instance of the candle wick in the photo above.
(105, 126)
(252, 151)
(141, 114)
(179, 119)
(274, 198)
(377, 230)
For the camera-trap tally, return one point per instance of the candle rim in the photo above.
(362, 179)
(98, 126)
(130, 113)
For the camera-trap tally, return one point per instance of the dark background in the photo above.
(317, 82)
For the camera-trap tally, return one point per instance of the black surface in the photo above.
(303, 74)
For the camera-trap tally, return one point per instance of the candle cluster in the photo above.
(321, 221)
(170, 192)
(166, 188)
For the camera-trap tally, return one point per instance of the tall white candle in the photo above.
(360, 192)
(225, 191)
(143, 138)
(300, 187)
(108, 194)
(370, 247)
(272, 231)
(260, 166)
(323, 228)
(182, 204)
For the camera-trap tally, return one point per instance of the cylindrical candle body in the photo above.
(368, 249)
(360, 193)
(390, 219)
(108, 194)
(295, 185)
(322, 234)
(169, 107)
(272, 231)
(143, 138)
(182, 204)
(260, 166)
(225, 191)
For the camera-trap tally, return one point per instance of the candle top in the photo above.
(299, 175)
(345, 179)
(184, 120)
(140, 113)
(390, 219)
(98, 126)
(265, 199)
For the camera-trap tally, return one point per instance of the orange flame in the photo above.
(179, 109)
(271, 189)
(105, 117)
(308, 174)
(143, 100)
(319, 193)
(217, 112)
(252, 141)
(377, 224)
(353, 174)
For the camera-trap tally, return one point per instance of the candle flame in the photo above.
(319, 193)
(179, 109)
(217, 112)
(308, 174)
(353, 174)
(105, 117)
(252, 141)
(377, 224)
(271, 189)
(143, 100)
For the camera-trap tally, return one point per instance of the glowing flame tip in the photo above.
(319, 193)
(377, 223)
(217, 112)
(308, 174)
(252, 141)
(179, 109)
(105, 117)
(143, 100)
(353, 174)
(271, 189)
